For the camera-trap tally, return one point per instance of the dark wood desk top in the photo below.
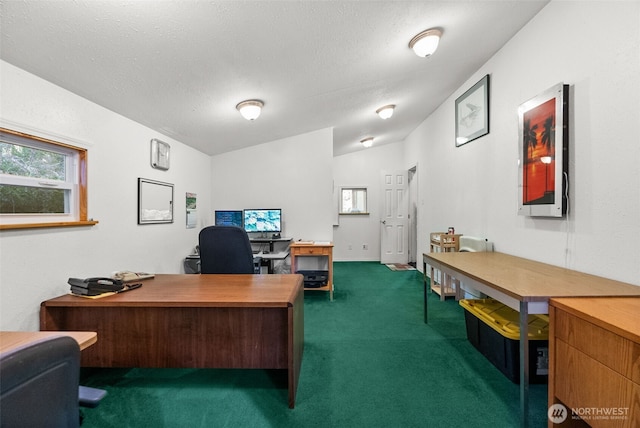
(528, 280)
(199, 291)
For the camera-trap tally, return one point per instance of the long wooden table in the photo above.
(524, 285)
(13, 339)
(195, 321)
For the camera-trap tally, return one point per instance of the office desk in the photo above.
(270, 241)
(13, 339)
(524, 285)
(195, 321)
(272, 255)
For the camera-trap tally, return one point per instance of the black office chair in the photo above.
(39, 386)
(225, 249)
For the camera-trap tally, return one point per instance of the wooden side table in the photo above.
(314, 249)
(443, 242)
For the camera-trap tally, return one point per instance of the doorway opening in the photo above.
(412, 179)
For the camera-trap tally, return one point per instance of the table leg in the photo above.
(424, 283)
(524, 364)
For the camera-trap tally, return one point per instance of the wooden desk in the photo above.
(594, 359)
(14, 339)
(196, 321)
(524, 285)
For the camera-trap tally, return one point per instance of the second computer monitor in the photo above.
(263, 220)
(228, 218)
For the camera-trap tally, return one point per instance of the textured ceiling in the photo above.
(180, 67)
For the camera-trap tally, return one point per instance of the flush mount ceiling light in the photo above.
(367, 142)
(386, 112)
(426, 43)
(250, 109)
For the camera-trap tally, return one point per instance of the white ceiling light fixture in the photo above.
(386, 112)
(367, 142)
(250, 109)
(426, 43)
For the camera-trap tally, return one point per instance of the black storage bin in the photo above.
(494, 330)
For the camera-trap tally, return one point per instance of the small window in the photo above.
(42, 182)
(353, 200)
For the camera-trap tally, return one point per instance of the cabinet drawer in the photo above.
(604, 346)
(592, 385)
(311, 251)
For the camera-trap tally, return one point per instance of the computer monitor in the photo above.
(263, 220)
(228, 218)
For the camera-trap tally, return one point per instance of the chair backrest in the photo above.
(39, 384)
(225, 249)
(473, 244)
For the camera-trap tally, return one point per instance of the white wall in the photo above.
(294, 174)
(36, 263)
(595, 48)
(363, 169)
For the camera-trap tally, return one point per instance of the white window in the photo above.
(42, 182)
(353, 200)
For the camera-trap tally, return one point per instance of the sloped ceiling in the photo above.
(180, 67)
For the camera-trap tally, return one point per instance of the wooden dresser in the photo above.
(594, 360)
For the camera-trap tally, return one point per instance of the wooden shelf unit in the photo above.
(297, 249)
(443, 242)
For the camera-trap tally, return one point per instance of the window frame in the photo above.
(341, 210)
(75, 182)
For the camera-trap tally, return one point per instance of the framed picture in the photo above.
(155, 202)
(472, 113)
(543, 166)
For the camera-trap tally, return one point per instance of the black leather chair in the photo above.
(225, 249)
(39, 384)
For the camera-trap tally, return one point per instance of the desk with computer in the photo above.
(263, 226)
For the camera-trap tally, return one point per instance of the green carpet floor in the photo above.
(369, 361)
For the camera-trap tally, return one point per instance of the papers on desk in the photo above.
(98, 296)
(313, 243)
(127, 276)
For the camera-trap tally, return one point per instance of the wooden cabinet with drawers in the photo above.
(594, 360)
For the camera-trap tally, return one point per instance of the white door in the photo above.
(394, 234)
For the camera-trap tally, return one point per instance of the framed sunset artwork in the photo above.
(543, 166)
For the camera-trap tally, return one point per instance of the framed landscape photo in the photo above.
(155, 202)
(543, 165)
(472, 113)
